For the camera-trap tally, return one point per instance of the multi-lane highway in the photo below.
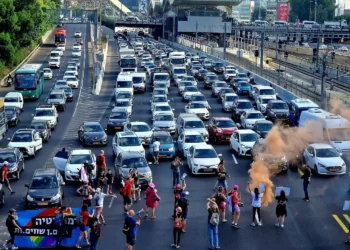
(309, 225)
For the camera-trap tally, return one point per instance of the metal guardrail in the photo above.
(343, 31)
(142, 22)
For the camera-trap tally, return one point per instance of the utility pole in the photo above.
(259, 9)
(164, 17)
(276, 10)
(317, 50)
(323, 93)
(225, 42)
(315, 9)
(262, 52)
(310, 10)
(196, 31)
(173, 23)
(277, 46)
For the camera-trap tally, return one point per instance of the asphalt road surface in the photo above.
(308, 226)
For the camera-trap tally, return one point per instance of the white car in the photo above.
(262, 102)
(217, 86)
(47, 112)
(28, 141)
(68, 74)
(127, 142)
(145, 60)
(242, 141)
(54, 62)
(161, 86)
(248, 118)
(188, 139)
(190, 79)
(182, 85)
(228, 100)
(72, 82)
(323, 159)
(59, 51)
(199, 109)
(77, 34)
(229, 74)
(47, 73)
(343, 49)
(189, 91)
(123, 104)
(14, 99)
(162, 108)
(76, 46)
(158, 99)
(200, 99)
(141, 129)
(123, 86)
(203, 159)
(61, 47)
(76, 53)
(75, 162)
(73, 69)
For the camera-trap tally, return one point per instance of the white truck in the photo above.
(139, 82)
(176, 59)
(128, 64)
(123, 52)
(336, 24)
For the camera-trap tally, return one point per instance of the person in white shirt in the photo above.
(155, 150)
(99, 199)
(256, 204)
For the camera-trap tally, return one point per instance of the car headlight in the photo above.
(56, 197)
(13, 119)
(219, 130)
(11, 170)
(29, 198)
(321, 165)
(243, 146)
(104, 137)
(170, 149)
(68, 171)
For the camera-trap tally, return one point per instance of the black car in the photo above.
(116, 120)
(240, 106)
(219, 68)
(43, 128)
(209, 80)
(15, 161)
(201, 74)
(45, 189)
(92, 133)
(277, 110)
(12, 115)
(69, 93)
(262, 128)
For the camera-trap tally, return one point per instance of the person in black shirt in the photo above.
(306, 181)
(177, 194)
(281, 209)
(101, 180)
(136, 188)
(11, 225)
(183, 203)
(109, 177)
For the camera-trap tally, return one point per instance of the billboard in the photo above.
(283, 11)
(143, 6)
(205, 24)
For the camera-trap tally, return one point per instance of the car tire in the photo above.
(33, 156)
(113, 155)
(2, 199)
(59, 204)
(315, 170)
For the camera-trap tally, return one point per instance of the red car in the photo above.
(221, 129)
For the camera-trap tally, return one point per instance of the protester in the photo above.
(130, 229)
(11, 225)
(101, 163)
(184, 203)
(220, 200)
(151, 199)
(306, 181)
(213, 224)
(86, 191)
(281, 209)
(4, 180)
(101, 180)
(110, 180)
(220, 167)
(89, 168)
(59, 222)
(125, 191)
(95, 233)
(99, 198)
(82, 222)
(136, 188)
(222, 176)
(177, 194)
(236, 212)
(178, 220)
(155, 150)
(62, 154)
(256, 204)
(175, 167)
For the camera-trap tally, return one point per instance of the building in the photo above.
(242, 12)
(271, 11)
(153, 3)
(131, 4)
(260, 4)
(346, 12)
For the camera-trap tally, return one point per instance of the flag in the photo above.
(83, 175)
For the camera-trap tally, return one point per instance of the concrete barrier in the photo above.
(100, 76)
(44, 39)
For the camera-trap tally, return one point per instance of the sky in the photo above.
(346, 2)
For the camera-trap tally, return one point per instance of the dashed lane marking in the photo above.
(300, 172)
(234, 158)
(341, 224)
(111, 203)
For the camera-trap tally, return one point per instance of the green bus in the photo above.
(29, 80)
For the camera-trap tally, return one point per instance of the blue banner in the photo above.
(40, 230)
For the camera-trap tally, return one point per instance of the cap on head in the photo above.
(178, 186)
(12, 210)
(152, 185)
(179, 210)
(235, 186)
(6, 163)
(102, 151)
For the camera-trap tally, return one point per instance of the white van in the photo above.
(260, 23)
(55, 55)
(14, 99)
(280, 23)
(334, 129)
(124, 83)
(132, 19)
(309, 24)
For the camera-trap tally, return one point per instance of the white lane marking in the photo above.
(82, 73)
(111, 203)
(234, 158)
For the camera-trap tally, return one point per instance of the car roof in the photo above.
(138, 123)
(91, 123)
(245, 131)
(231, 94)
(126, 134)
(203, 146)
(242, 100)
(24, 131)
(222, 118)
(160, 133)
(320, 145)
(13, 94)
(263, 87)
(128, 155)
(7, 150)
(276, 101)
(253, 111)
(45, 172)
(190, 132)
(264, 121)
(80, 152)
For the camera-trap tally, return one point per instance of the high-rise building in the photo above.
(271, 10)
(242, 12)
(130, 4)
(260, 4)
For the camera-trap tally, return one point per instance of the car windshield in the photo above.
(124, 84)
(22, 137)
(189, 78)
(159, 92)
(160, 86)
(67, 90)
(212, 77)
(194, 124)
(243, 84)
(242, 75)
(244, 105)
(7, 156)
(219, 65)
(205, 153)
(11, 99)
(137, 79)
(279, 105)
(203, 71)
(163, 118)
(140, 128)
(9, 112)
(159, 99)
(225, 124)
(264, 126)
(47, 70)
(220, 84)
(61, 83)
(71, 79)
(93, 128)
(231, 98)
(162, 108)
(47, 112)
(267, 92)
(37, 125)
(69, 74)
(255, 116)
(118, 115)
(194, 139)
(76, 50)
(265, 100)
(197, 106)
(44, 182)
(226, 90)
(191, 89)
(137, 162)
(177, 61)
(249, 137)
(129, 141)
(25, 80)
(122, 104)
(339, 134)
(326, 153)
(179, 71)
(53, 60)
(79, 159)
(199, 98)
(56, 96)
(125, 95)
(165, 139)
(186, 84)
(230, 72)
(161, 77)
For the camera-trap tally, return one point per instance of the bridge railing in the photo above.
(141, 22)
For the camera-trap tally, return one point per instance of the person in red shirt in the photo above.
(4, 180)
(235, 206)
(101, 163)
(126, 192)
(84, 228)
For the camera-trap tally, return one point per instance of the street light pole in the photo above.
(225, 42)
(310, 10)
(315, 9)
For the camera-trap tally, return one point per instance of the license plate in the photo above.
(43, 203)
(96, 142)
(162, 155)
(164, 129)
(117, 127)
(334, 170)
(208, 170)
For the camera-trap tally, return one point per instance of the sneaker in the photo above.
(232, 224)
(13, 247)
(253, 224)
(4, 246)
(347, 242)
(173, 245)
(236, 226)
(277, 225)
(13, 193)
(260, 224)
(177, 246)
(282, 226)
(218, 247)
(307, 200)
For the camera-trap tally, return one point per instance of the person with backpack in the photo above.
(178, 221)
(256, 204)
(175, 167)
(220, 200)
(130, 229)
(11, 225)
(177, 194)
(101, 163)
(86, 191)
(82, 221)
(95, 233)
(213, 224)
(183, 203)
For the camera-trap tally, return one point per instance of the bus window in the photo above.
(25, 81)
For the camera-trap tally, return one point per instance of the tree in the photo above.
(255, 15)
(300, 9)
(7, 51)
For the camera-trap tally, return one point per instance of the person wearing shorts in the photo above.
(132, 224)
(83, 227)
(155, 150)
(4, 180)
(236, 212)
(222, 176)
(99, 199)
(127, 189)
